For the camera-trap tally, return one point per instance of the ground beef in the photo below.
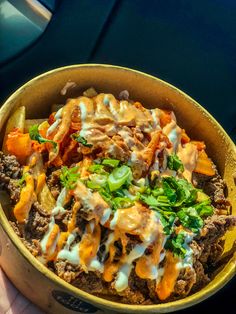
(32, 245)
(138, 284)
(215, 227)
(67, 271)
(130, 296)
(133, 240)
(201, 277)
(185, 281)
(53, 182)
(37, 224)
(90, 282)
(136, 292)
(10, 173)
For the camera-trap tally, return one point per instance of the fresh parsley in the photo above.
(174, 163)
(113, 163)
(176, 244)
(95, 168)
(178, 199)
(190, 219)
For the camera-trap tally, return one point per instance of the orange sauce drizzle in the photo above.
(166, 286)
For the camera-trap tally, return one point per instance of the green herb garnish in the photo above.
(69, 177)
(34, 135)
(121, 202)
(95, 168)
(177, 198)
(111, 162)
(176, 245)
(174, 163)
(80, 139)
(21, 181)
(119, 177)
(190, 219)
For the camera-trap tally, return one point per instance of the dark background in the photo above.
(190, 44)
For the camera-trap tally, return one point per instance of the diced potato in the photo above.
(16, 120)
(46, 199)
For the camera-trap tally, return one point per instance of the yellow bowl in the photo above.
(33, 279)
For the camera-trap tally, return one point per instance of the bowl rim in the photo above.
(226, 274)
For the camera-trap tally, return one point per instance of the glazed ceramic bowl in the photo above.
(33, 279)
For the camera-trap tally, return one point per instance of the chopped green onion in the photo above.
(98, 178)
(93, 185)
(111, 162)
(96, 168)
(119, 177)
(157, 192)
(106, 195)
(121, 202)
(69, 177)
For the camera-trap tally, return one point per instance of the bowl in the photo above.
(34, 280)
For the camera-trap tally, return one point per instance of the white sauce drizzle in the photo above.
(173, 131)
(96, 265)
(188, 259)
(58, 209)
(106, 215)
(44, 241)
(71, 255)
(55, 124)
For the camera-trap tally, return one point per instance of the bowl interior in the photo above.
(39, 94)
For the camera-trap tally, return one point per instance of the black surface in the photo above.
(191, 44)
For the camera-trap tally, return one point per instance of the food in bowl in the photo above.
(116, 199)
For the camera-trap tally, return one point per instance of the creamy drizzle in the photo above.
(188, 154)
(173, 131)
(45, 239)
(70, 254)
